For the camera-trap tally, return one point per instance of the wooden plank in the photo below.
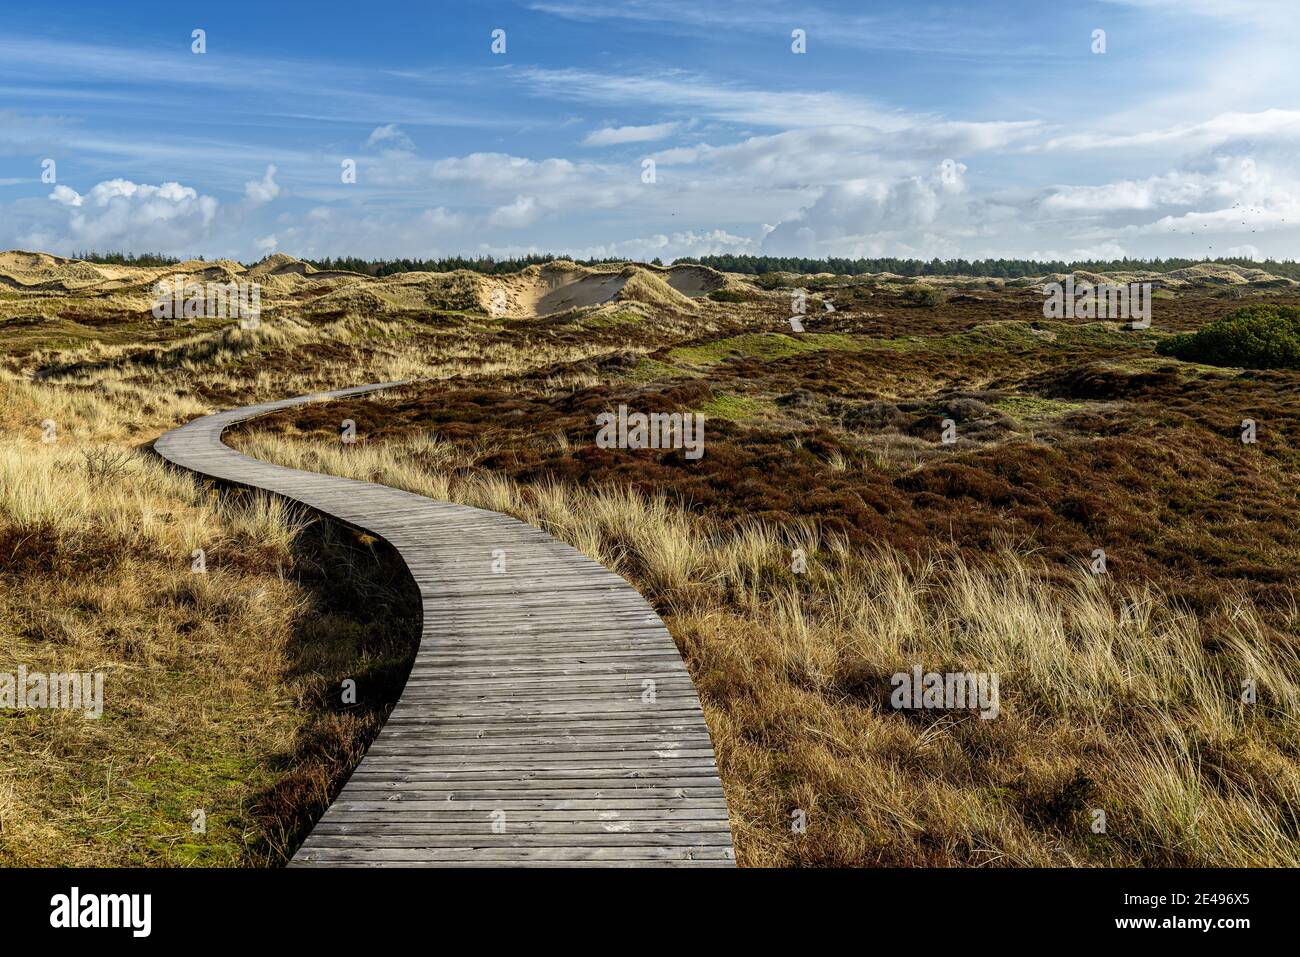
(525, 698)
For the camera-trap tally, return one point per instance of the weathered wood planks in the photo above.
(548, 719)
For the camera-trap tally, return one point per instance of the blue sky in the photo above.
(973, 129)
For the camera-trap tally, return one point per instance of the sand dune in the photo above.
(577, 293)
(552, 289)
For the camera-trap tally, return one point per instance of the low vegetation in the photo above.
(1257, 337)
(1120, 692)
(1113, 697)
(220, 686)
(924, 296)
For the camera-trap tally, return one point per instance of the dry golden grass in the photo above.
(268, 361)
(219, 688)
(1109, 700)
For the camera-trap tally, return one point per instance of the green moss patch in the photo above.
(726, 405)
(768, 346)
(1035, 407)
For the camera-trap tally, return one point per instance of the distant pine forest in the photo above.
(752, 265)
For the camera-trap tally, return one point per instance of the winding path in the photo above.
(548, 718)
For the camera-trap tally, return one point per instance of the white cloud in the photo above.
(522, 212)
(870, 217)
(1227, 194)
(267, 244)
(616, 135)
(665, 246)
(502, 171)
(260, 191)
(500, 180)
(671, 246)
(701, 96)
(1223, 128)
(391, 135)
(119, 213)
(66, 196)
(1246, 251)
(1175, 188)
(441, 218)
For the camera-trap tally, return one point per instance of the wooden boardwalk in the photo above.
(548, 718)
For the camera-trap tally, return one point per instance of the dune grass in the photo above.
(219, 685)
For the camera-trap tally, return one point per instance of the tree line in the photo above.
(996, 268)
(481, 264)
(128, 259)
(749, 265)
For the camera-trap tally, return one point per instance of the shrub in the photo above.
(1260, 337)
(924, 296)
(727, 295)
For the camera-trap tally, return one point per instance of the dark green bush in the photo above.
(727, 295)
(924, 296)
(1258, 337)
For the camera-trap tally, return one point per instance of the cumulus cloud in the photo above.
(66, 196)
(617, 135)
(868, 215)
(1175, 188)
(260, 191)
(120, 213)
(1227, 194)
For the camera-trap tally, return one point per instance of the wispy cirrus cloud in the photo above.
(700, 96)
(1274, 124)
(952, 30)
